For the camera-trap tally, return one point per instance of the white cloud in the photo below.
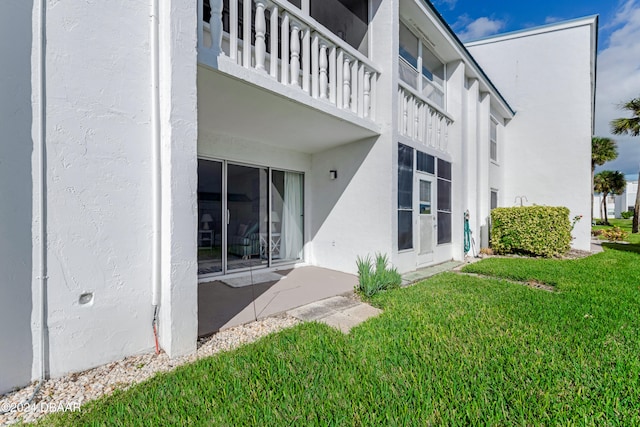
(552, 19)
(478, 28)
(451, 4)
(618, 80)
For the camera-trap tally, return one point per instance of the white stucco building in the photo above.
(616, 204)
(149, 145)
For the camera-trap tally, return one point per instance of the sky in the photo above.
(618, 72)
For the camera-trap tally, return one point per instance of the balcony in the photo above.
(421, 120)
(289, 54)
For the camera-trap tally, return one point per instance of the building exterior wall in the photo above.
(16, 193)
(627, 200)
(546, 74)
(98, 184)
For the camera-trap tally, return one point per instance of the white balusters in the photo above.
(246, 33)
(284, 69)
(324, 78)
(233, 29)
(215, 26)
(346, 84)
(274, 41)
(416, 118)
(405, 113)
(315, 66)
(278, 40)
(306, 59)
(295, 54)
(261, 29)
(333, 75)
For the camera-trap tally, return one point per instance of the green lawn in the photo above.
(453, 350)
(624, 224)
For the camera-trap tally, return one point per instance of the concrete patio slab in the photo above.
(221, 307)
(339, 312)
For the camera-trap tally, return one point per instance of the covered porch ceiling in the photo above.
(231, 106)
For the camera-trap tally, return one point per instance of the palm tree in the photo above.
(609, 182)
(602, 151)
(630, 126)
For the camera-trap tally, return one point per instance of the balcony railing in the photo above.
(290, 48)
(422, 121)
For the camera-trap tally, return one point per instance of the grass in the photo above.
(625, 225)
(452, 350)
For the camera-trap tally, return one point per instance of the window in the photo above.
(420, 68)
(425, 197)
(405, 197)
(493, 140)
(444, 202)
(348, 19)
(494, 199)
(425, 162)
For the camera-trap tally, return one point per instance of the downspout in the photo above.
(156, 168)
(42, 188)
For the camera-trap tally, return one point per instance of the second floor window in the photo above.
(493, 141)
(420, 68)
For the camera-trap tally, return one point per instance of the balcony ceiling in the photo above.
(231, 106)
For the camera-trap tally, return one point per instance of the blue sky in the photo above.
(618, 51)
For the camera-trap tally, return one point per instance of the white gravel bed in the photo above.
(68, 393)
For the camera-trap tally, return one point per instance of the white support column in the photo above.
(261, 29)
(274, 41)
(315, 65)
(233, 29)
(246, 33)
(284, 61)
(295, 54)
(178, 173)
(306, 58)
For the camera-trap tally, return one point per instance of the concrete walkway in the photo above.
(596, 246)
(424, 273)
(341, 312)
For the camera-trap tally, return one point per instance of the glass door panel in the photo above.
(247, 207)
(210, 218)
(285, 242)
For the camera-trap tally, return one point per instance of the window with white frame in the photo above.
(494, 199)
(420, 68)
(493, 141)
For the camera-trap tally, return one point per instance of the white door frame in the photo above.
(424, 257)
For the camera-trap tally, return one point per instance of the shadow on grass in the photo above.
(625, 247)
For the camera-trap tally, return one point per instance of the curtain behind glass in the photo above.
(291, 238)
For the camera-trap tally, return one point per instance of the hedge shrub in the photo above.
(533, 230)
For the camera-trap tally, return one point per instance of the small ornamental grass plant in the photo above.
(375, 275)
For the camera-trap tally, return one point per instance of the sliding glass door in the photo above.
(247, 206)
(249, 217)
(210, 218)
